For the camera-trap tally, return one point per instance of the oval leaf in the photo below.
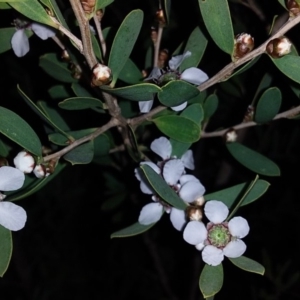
(5, 249)
(6, 35)
(230, 195)
(179, 128)
(78, 103)
(176, 92)
(211, 280)
(83, 154)
(131, 230)
(194, 112)
(103, 3)
(248, 265)
(124, 42)
(268, 105)
(59, 92)
(16, 129)
(80, 91)
(178, 148)
(210, 106)
(162, 189)
(253, 160)
(130, 73)
(217, 19)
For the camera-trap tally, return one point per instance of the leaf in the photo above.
(268, 105)
(178, 148)
(196, 44)
(16, 129)
(33, 10)
(282, 3)
(101, 145)
(96, 47)
(248, 265)
(132, 230)
(55, 68)
(59, 92)
(211, 280)
(6, 35)
(179, 128)
(217, 19)
(230, 195)
(253, 160)
(138, 92)
(210, 106)
(4, 5)
(160, 186)
(103, 3)
(79, 103)
(289, 65)
(4, 151)
(124, 42)
(6, 247)
(244, 68)
(83, 154)
(167, 10)
(194, 112)
(130, 73)
(176, 92)
(80, 91)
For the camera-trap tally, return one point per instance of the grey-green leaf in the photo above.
(79, 103)
(131, 230)
(210, 106)
(194, 112)
(5, 249)
(211, 280)
(248, 265)
(130, 73)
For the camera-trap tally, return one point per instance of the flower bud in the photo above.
(194, 213)
(24, 161)
(230, 136)
(279, 47)
(160, 18)
(101, 75)
(40, 171)
(293, 7)
(65, 55)
(243, 44)
(88, 5)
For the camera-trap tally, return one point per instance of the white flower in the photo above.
(192, 75)
(20, 42)
(40, 171)
(219, 238)
(12, 216)
(24, 162)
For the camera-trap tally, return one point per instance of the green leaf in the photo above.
(96, 47)
(178, 148)
(82, 154)
(264, 84)
(6, 247)
(176, 92)
(194, 112)
(289, 65)
(16, 129)
(268, 105)
(253, 160)
(4, 5)
(211, 280)
(167, 10)
(59, 92)
(101, 146)
(124, 42)
(130, 73)
(132, 230)
(217, 19)
(282, 2)
(103, 3)
(196, 44)
(163, 190)
(4, 150)
(179, 128)
(55, 68)
(244, 68)
(138, 92)
(79, 103)
(33, 10)
(210, 106)
(230, 195)
(248, 265)
(80, 91)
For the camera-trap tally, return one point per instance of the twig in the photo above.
(157, 46)
(286, 114)
(84, 26)
(258, 51)
(117, 149)
(58, 42)
(100, 35)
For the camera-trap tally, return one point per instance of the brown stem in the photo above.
(100, 35)
(157, 46)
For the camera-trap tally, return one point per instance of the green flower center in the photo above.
(167, 77)
(219, 235)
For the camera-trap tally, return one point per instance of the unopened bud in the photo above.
(24, 161)
(99, 14)
(194, 213)
(279, 47)
(101, 75)
(40, 171)
(230, 136)
(243, 44)
(88, 5)
(65, 55)
(293, 7)
(160, 17)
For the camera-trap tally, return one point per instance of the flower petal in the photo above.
(235, 249)
(42, 31)
(188, 160)
(162, 147)
(20, 43)
(150, 213)
(216, 211)
(145, 106)
(212, 255)
(195, 233)
(12, 216)
(191, 191)
(177, 218)
(172, 171)
(11, 179)
(200, 246)
(194, 75)
(155, 74)
(146, 188)
(179, 107)
(238, 227)
(175, 61)
(187, 177)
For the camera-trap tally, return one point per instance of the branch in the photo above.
(100, 35)
(157, 46)
(286, 114)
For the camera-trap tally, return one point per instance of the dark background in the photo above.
(65, 250)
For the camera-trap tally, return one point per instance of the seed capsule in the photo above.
(243, 44)
(279, 47)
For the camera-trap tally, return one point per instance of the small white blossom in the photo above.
(12, 216)
(219, 238)
(40, 171)
(24, 161)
